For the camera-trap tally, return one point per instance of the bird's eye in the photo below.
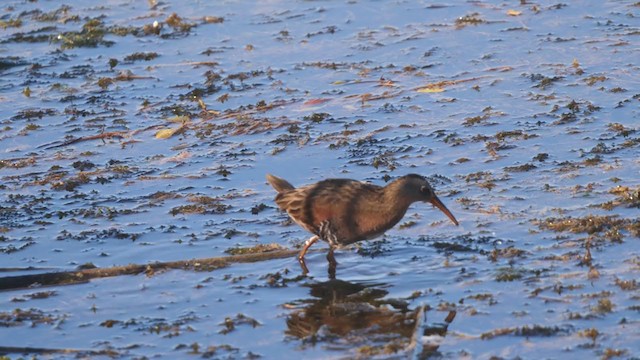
(425, 190)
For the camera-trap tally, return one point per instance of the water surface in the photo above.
(137, 132)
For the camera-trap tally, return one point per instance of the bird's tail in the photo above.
(281, 185)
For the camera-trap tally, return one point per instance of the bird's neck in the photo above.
(386, 211)
(395, 201)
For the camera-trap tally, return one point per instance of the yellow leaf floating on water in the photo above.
(575, 63)
(440, 86)
(167, 133)
(514, 12)
(164, 134)
(430, 89)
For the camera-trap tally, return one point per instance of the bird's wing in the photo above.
(332, 200)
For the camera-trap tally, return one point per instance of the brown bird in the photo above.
(344, 211)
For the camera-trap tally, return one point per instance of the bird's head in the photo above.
(417, 188)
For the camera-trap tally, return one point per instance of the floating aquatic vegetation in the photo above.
(230, 323)
(528, 331)
(625, 196)
(31, 317)
(260, 248)
(202, 205)
(470, 19)
(507, 274)
(591, 224)
(35, 296)
(138, 56)
(91, 35)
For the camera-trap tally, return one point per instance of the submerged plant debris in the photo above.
(135, 138)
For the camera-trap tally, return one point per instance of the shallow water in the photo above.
(524, 117)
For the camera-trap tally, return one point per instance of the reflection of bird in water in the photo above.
(345, 315)
(343, 211)
(339, 308)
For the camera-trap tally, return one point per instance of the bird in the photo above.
(344, 211)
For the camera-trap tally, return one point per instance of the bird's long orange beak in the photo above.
(437, 203)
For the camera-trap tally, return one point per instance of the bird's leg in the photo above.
(331, 257)
(307, 245)
(303, 266)
(332, 264)
(303, 252)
